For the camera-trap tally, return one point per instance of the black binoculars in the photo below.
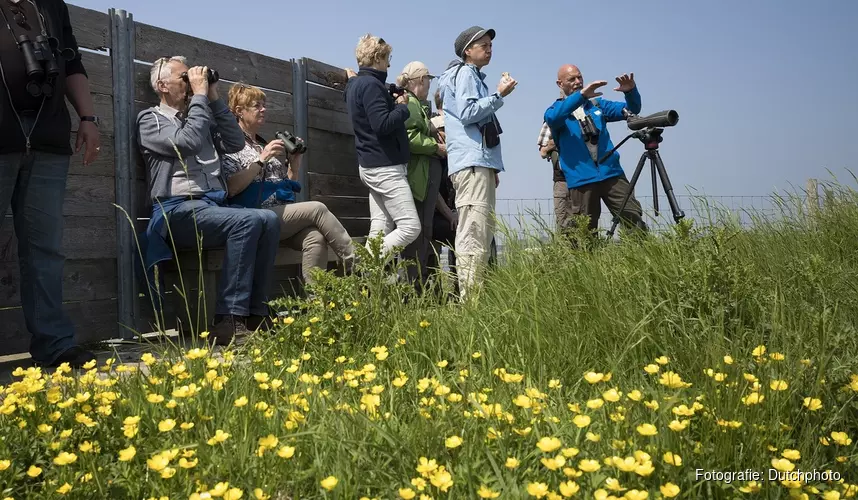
(589, 131)
(212, 76)
(292, 144)
(395, 90)
(41, 65)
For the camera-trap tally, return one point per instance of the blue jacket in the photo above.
(258, 191)
(378, 122)
(468, 105)
(575, 160)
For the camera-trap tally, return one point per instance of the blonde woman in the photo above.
(424, 166)
(378, 119)
(257, 179)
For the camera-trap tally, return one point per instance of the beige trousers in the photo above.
(475, 202)
(310, 228)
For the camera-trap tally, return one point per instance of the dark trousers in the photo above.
(443, 235)
(250, 237)
(586, 200)
(34, 185)
(419, 249)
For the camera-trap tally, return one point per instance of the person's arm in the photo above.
(238, 176)
(556, 115)
(473, 108)
(613, 110)
(77, 91)
(442, 207)
(382, 121)
(418, 142)
(228, 136)
(159, 135)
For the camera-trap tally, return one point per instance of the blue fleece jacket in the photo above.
(575, 160)
(378, 122)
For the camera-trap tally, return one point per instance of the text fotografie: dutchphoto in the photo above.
(797, 475)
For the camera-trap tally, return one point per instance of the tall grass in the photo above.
(574, 371)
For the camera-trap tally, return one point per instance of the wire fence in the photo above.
(535, 216)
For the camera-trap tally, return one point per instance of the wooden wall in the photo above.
(90, 235)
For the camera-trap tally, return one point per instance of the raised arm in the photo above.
(613, 110)
(556, 115)
(473, 108)
(159, 135)
(382, 121)
(227, 135)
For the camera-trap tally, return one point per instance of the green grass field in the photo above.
(613, 372)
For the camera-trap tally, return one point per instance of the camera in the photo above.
(667, 118)
(40, 64)
(395, 90)
(292, 144)
(212, 76)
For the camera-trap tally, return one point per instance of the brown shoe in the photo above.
(227, 327)
(258, 323)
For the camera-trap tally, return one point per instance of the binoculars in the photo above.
(588, 130)
(395, 90)
(212, 76)
(292, 144)
(40, 64)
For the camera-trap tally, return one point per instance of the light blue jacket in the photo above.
(468, 104)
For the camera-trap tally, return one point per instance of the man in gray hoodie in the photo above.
(181, 141)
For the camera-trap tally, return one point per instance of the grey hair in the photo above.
(166, 71)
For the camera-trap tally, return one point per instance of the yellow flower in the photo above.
(511, 463)
(759, 351)
(424, 324)
(588, 465)
(672, 459)
(548, 444)
(663, 360)
(778, 385)
(753, 399)
(812, 404)
(486, 492)
(840, 438)
(728, 360)
(5, 464)
(635, 395)
(329, 483)
(453, 441)
(65, 488)
(537, 490)
(34, 471)
(407, 493)
(752, 487)
(677, 425)
(569, 488)
(651, 368)
(286, 452)
(233, 494)
(127, 454)
(581, 421)
(647, 430)
(166, 425)
(65, 458)
(593, 377)
(782, 464)
(669, 490)
(791, 454)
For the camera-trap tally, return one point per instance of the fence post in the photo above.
(122, 63)
(300, 112)
(812, 197)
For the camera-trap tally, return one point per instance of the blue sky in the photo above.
(764, 89)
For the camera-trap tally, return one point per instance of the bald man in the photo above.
(578, 124)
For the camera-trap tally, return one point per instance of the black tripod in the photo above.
(650, 137)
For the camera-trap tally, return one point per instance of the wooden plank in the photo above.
(89, 196)
(332, 153)
(83, 280)
(232, 63)
(99, 72)
(103, 105)
(83, 238)
(357, 227)
(335, 185)
(332, 121)
(103, 164)
(345, 206)
(91, 27)
(325, 74)
(93, 321)
(326, 98)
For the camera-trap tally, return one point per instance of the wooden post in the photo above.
(122, 63)
(300, 113)
(812, 196)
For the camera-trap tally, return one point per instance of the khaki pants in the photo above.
(475, 202)
(562, 206)
(587, 200)
(310, 227)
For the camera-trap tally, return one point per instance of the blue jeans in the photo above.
(250, 237)
(35, 186)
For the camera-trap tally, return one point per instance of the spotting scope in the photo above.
(667, 118)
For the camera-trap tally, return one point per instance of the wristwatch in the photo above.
(93, 119)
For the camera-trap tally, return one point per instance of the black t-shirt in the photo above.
(52, 132)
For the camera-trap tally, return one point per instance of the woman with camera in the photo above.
(257, 179)
(378, 119)
(424, 166)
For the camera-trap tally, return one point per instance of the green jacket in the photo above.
(422, 146)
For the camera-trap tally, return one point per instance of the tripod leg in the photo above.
(634, 181)
(654, 186)
(678, 214)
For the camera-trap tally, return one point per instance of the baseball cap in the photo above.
(416, 69)
(469, 36)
